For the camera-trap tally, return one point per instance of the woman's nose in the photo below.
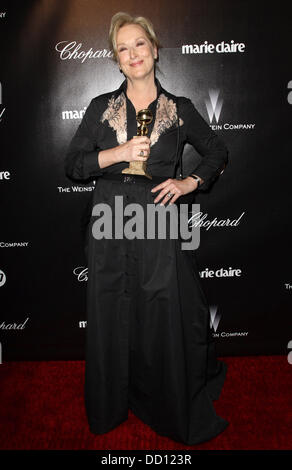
(132, 52)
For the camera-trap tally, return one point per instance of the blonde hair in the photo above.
(121, 19)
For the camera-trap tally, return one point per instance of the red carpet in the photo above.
(41, 407)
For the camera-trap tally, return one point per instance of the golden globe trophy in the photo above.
(144, 118)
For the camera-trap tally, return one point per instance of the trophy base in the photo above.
(137, 168)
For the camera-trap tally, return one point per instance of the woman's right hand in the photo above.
(129, 151)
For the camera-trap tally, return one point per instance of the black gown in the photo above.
(148, 346)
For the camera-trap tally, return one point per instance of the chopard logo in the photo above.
(199, 219)
(81, 273)
(13, 326)
(71, 50)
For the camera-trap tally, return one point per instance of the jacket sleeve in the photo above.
(212, 149)
(81, 161)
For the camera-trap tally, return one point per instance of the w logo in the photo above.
(215, 317)
(214, 105)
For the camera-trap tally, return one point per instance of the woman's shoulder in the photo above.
(100, 102)
(105, 97)
(180, 100)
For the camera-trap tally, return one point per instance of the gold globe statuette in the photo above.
(144, 118)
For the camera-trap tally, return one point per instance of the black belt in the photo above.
(141, 179)
(132, 179)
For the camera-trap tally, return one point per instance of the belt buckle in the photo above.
(128, 179)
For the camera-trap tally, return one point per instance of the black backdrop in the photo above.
(54, 59)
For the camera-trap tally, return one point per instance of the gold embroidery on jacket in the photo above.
(116, 115)
(166, 116)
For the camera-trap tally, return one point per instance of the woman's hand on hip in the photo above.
(130, 151)
(175, 187)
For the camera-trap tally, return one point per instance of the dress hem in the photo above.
(219, 426)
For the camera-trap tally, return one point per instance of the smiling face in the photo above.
(135, 52)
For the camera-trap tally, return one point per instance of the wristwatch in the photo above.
(197, 179)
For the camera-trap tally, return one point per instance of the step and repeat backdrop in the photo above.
(232, 59)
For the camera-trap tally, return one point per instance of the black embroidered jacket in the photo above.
(110, 120)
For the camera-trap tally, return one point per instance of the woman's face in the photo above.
(135, 52)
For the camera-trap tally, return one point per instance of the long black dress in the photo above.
(149, 345)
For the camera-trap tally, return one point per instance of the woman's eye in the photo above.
(122, 49)
(140, 43)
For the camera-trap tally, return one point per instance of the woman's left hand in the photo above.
(176, 187)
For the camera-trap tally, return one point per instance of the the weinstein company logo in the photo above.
(215, 317)
(2, 109)
(214, 107)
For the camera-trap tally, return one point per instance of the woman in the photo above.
(149, 344)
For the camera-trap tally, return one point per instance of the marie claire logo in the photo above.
(73, 114)
(81, 273)
(214, 107)
(2, 109)
(221, 272)
(2, 278)
(209, 48)
(4, 175)
(71, 50)
(215, 318)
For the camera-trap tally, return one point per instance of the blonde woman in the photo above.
(149, 346)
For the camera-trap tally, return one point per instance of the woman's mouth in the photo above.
(135, 64)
